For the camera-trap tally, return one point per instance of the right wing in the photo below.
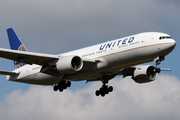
(127, 71)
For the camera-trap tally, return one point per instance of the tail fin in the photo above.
(15, 44)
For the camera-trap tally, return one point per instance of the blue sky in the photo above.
(60, 26)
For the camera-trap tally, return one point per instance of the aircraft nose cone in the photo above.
(173, 44)
(167, 47)
(170, 47)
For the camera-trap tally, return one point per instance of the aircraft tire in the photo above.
(97, 92)
(110, 88)
(107, 91)
(55, 88)
(158, 70)
(103, 94)
(65, 86)
(61, 89)
(68, 84)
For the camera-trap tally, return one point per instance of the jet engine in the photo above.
(69, 64)
(143, 74)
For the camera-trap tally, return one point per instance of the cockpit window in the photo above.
(165, 37)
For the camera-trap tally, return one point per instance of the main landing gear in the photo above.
(105, 89)
(62, 86)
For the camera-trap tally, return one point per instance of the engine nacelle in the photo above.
(143, 74)
(69, 64)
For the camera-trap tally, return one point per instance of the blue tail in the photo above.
(15, 44)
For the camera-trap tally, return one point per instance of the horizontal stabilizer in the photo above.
(8, 73)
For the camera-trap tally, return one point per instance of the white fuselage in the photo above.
(111, 57)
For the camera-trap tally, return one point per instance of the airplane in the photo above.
(101, 62)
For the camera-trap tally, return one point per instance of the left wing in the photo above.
(28, 57)
(8, 73)
(46, 60)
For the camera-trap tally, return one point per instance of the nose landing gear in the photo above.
(158, 62)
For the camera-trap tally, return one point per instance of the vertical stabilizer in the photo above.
(15, 44)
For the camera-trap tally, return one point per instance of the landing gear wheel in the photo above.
(107, 91)
(55, 88)
(110, 88)
(60, 89)
(68, 84)
(65, 87)
(62, 85)
(104, 90)
(102, 94)
(97, 92)
(158, 70)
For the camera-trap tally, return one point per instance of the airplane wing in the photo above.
(46, 60)
(8, 73)
(27, 57)
(127, 71)
(121, 71)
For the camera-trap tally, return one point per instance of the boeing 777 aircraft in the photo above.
(100, 62)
